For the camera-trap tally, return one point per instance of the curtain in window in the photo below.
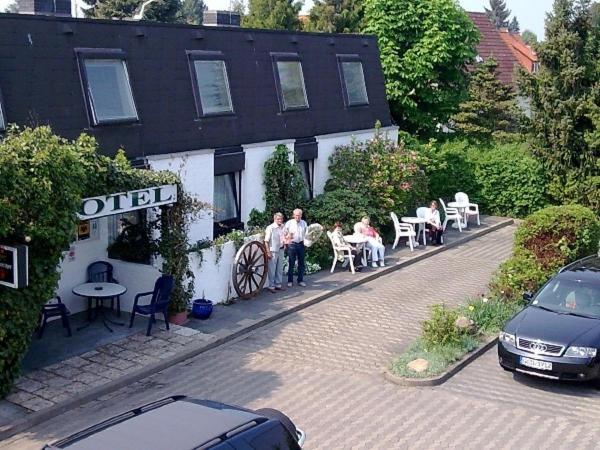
(224, 198)
(355, 83)
(292, 84)
(213, 86)
(109, 89)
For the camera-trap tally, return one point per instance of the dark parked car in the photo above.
(557, 335)
(180, 422)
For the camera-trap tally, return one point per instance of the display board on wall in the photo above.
(14, 271)
(107, 205)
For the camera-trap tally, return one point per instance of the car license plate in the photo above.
(536, 363)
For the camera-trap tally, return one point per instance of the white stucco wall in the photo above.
(253, 189)
(327, 144)
(196, 170)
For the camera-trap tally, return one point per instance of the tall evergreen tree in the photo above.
(513, 26)
(491, 109)
(336, 16)
(498, 14)
(192, 12)
(565, 101)
(273, 14)
(529, 37)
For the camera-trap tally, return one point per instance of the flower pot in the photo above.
(178, 318)
(202, 309)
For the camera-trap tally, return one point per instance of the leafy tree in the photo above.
(565, 103)
(529, 37)
(12, 8)
(273, 14)
(336, 16)
(491, 109)
(424, 47)
(158, 11)
(192, 12)
(498, 14)
(513, 26)
(239, 6)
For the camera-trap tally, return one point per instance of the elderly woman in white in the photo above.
(434, 223)
(374, 242)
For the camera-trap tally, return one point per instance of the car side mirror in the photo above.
(527, 296)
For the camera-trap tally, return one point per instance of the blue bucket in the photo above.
(202, 309)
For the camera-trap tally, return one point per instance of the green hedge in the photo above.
(544, 242)
(503, 179)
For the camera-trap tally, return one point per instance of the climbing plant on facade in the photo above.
(43, 179)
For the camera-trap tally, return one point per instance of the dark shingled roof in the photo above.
(492, 44)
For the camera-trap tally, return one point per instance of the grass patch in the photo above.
(439, 357)
(490, 315)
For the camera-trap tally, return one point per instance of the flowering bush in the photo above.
(489, 314)
(386, 174)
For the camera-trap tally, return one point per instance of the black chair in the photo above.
(55, 310)
(102, 272)
(159, 303)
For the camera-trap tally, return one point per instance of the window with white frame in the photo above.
(353, 80)
(211, 86)
(290, 78)
(107, 87)
(129, 237)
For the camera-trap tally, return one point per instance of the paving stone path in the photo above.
(323, 366)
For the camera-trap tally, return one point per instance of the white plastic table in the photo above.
(100, 292)
(462, 209)
(416, 221)
(360, 241)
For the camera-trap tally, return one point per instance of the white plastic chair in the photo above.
(472, 210)
(451, 214)
(344, 252)
(403, 230)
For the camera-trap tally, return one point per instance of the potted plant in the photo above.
(179, 303)
(202, 308)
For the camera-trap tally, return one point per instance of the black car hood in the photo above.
(548, 326)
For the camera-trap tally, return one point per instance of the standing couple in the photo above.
(277, 237)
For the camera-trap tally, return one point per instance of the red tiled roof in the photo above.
(524, 54)
(492, 44)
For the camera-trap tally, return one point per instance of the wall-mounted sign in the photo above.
(14, 270)
(107, 205)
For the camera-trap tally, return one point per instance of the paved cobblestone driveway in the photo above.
(323, 367)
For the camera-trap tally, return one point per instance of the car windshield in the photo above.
(570, 297)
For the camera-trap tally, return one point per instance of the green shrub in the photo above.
(440, 329)
(511, 182)
(490, 314)
(521, 273)
(558, 235)
(439, 357)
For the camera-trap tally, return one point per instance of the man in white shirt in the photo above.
(274, 244)
(295, 231)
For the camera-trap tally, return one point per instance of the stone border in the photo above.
(448, 373)
(38, 417)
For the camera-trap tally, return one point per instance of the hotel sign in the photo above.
(14, 271)
(107, 205)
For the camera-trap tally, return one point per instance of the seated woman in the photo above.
(374, 242)
(337, 236)
(434, 224)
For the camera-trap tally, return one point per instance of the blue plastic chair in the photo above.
(159, 303)
(57, 309)
(102, 272)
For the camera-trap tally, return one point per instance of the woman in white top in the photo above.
(373, 241)
(434, 224)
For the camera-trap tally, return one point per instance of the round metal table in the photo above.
(100, 292)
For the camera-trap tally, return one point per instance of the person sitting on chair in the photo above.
(337, 236)
(434, 224)
(374, 242)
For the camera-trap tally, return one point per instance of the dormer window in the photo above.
(106, 85)
(290, 81)
(210, 83)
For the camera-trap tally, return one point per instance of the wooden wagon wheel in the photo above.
(249, 272)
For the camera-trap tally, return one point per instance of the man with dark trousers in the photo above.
(294, 232)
